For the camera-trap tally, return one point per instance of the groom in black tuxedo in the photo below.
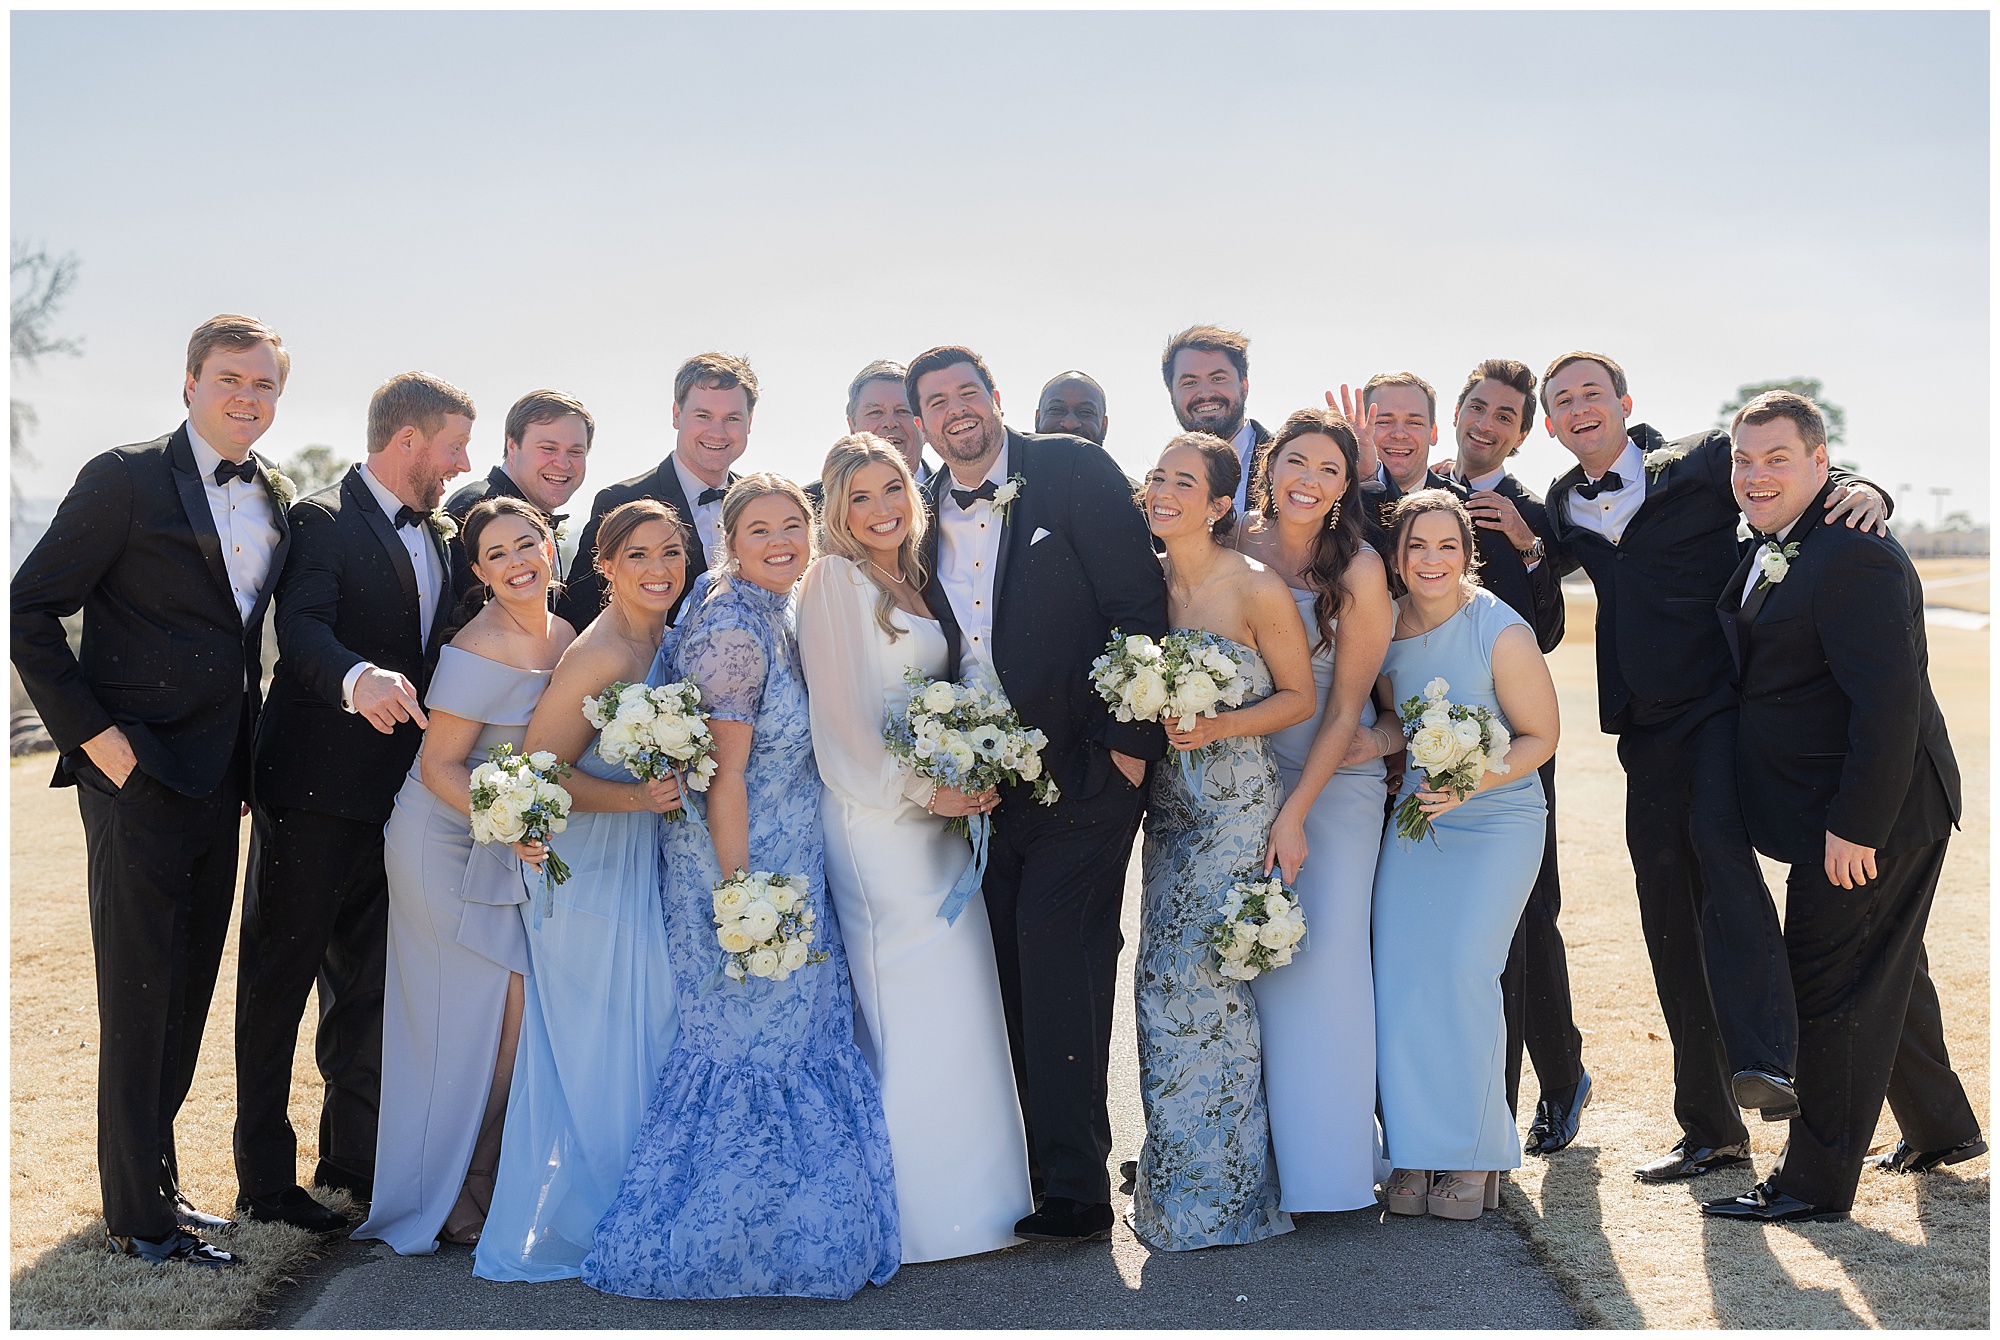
(715, 396)
(365, 596)
(171, 549)
(1030, 585)
(1846, 773)
(1654, 524)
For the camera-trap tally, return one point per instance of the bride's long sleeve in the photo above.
(841, 647)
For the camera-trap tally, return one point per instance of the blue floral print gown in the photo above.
(762, 1166)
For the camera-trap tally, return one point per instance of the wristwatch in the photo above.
(1534, 552)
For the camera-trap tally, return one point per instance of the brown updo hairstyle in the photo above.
(1336, 544)
(618, 525)
(1224, 472)
(483, 514)
(1414, 505)
(761, 485)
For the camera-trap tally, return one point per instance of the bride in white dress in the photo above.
(926, 989)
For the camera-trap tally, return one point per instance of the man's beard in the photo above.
(1227, 428)
(971, 449)
(428, 485)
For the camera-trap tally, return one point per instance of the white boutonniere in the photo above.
(281, 486)
(1003, 497)
(1657, 460)
(1774, 563)
(442, 523)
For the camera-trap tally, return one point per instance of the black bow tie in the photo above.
(557, 518)
(245, 470)
(710, 495)
(1610, 483)
(966, 497)
(409, 516)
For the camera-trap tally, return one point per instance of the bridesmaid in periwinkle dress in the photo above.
(928, 990)
(1206, 1177)
(452, 1008)
(1445, 910)
(598, 1018)
(762, 1165)
(1318, 1014)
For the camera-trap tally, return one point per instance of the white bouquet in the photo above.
(1453, 745)
(764, 926)
(518, 798)
(1183, 676)
(1261, 925)
(968, 736)
(655, 731)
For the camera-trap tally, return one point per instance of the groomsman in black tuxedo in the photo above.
(1846, 773)
(1073, 403)
(1207, 371)
(171, 548)
(1654, 524)
(362, 604)
(1495, 411)
(547, 447)
(1039, 554)
(714, 397)
(878, 403)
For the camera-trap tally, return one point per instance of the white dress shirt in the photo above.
(1245, 443)
(417, 544)
(246, 521)
(706, 517)
(1756, 571)
(968, 549)
(1609, 513)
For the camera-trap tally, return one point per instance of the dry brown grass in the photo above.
(1915, 1253)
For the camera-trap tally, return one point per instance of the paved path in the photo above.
(1336, 1270)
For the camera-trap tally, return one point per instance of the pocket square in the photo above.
(1039, 535)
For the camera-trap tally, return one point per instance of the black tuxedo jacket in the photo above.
(1840, 732)
(1057, 599)
(583, 594)
(497, 484)
(1535, 596)
(1660, 656)
(166, 656)
(1377, 512)
(348, 594)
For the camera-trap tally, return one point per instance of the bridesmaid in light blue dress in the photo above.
(762, 1166)
(452, 998)
(598, 1018)
(1318, 1015)
(1205, 1175)
(1445, 910)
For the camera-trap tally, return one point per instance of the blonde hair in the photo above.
(843, 462)
(749, 489)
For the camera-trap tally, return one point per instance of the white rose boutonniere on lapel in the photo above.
(1658, 459)
(1003, 497)
(281, 486)
(1774, 563)
(442, 523)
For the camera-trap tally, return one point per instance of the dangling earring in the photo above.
(1333, 515)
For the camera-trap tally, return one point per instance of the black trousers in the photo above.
(1855, 955)
(1534, 986)
(1055, 879)
(1925, 1095)
(162, 873)
(1712, 931)
(315, 909)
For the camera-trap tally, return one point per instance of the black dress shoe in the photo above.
(1128, 1176)
(192, 1220)
(1556, 1122)
(333, 1177)
(1064, 1220)
(293, 1206)
(1765, 1204)
(1685, 1160)
(1770, 1093)
(1903, 1159)
(176, 1246)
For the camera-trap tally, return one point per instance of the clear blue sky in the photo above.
(582, 200)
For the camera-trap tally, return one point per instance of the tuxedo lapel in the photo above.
(282, 517)
(447, 598)
(359, 496)
(194, 501)
(1017, 460)
(1730, 606)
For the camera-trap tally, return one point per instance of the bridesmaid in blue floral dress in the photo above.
(1206, 1176)
(598, 1019)
(762, 1166)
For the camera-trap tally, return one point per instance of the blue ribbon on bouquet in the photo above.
(975, 870)
(1194, 767)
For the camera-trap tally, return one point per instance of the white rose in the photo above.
(782, 898)
(1217, 662)
(762, 962)
(734, 939)
(1276, 905)
(760, 919)
(542, 760)
(1773, 564)
(1438, 717)
(793, 956)
(1029, 765)
(1470, 735)
(1437, 689)
(1237, 950)
(1142, 648)
(1146, 694)
(672, 735)
(938, 696)
(960, 752)
(1197, 692)
(1275, 934)
(730, 900)
(734, 971)
(1433, 747)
